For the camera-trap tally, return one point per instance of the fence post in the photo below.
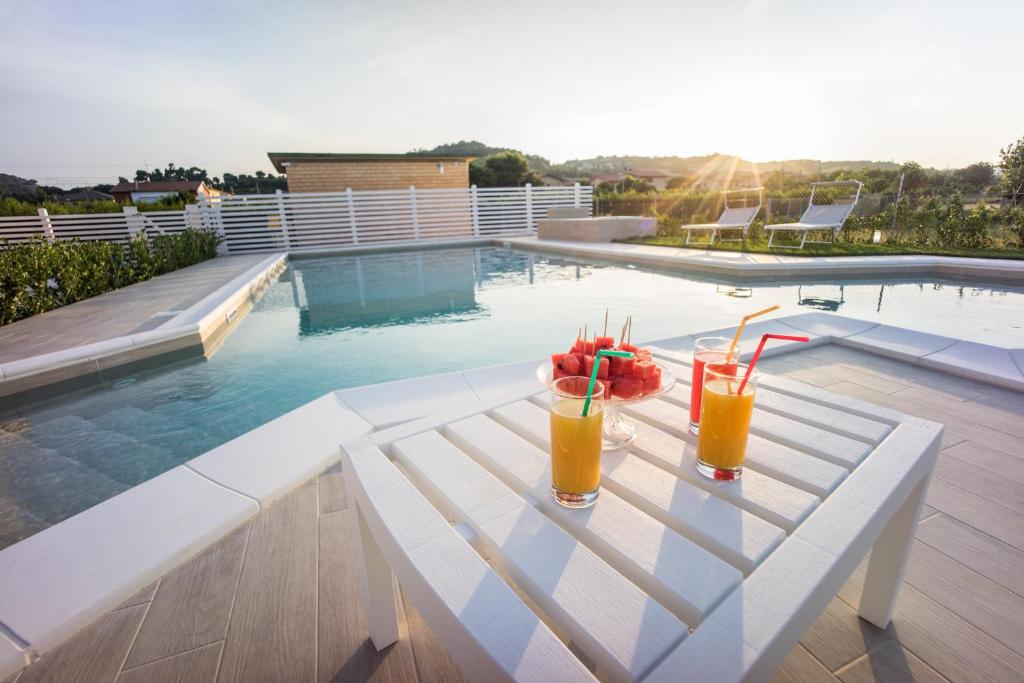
(44, 220)
(283, 218)
(474, 208)
(214, 223)
(193, 220)
(135, 223)
(415, 215)
(576, 195)
(529, 207)
(352, 215)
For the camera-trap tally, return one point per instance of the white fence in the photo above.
(269, 222)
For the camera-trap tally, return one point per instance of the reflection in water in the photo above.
(822, 303)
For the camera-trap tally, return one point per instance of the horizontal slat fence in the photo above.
(314, 220)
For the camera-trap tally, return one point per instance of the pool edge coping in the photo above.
(232, 462)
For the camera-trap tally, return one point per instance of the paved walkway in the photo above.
(120, 312)
(278, 599)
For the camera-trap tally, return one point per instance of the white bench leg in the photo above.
(889, 556)
(378, 584)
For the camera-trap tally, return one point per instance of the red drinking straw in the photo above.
(760, 347)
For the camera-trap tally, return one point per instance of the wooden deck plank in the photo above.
(273, 633)
(195, 666)
(345, 652)
(193, 604)
(891, 663)
(979, 455)
(993, 487)
(800, 666)
(986, 516)
(433, 665)
(988, 556)
(955, 648)
(969, 595)
(94, 654)
(332, 491)
(143, 596)
(839, 636)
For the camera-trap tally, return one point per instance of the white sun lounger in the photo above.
(732, 218)
(669, 576)
(829, 217)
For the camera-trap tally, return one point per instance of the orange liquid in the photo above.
(575, 446)
(724, 423)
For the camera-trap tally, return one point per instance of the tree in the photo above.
(504, 169)
(914, 177)
(1011, 170)
(976, 176)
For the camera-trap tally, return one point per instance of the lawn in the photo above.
(837, 249)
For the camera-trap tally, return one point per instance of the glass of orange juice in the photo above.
(724, 420)
(576, 441)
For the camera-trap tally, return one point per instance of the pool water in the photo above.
(339, 322)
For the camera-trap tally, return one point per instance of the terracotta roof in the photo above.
(158, 186)
(279, 159)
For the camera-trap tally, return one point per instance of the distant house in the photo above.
(656, 177)
(145, 191)
(316, 172)
(556, 181)
(85, 196)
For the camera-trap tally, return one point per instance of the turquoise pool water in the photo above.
(333, 323)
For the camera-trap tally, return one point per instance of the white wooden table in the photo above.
(670, 576)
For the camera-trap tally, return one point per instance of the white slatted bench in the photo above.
(670, 576)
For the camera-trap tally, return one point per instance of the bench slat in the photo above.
(452, 586)
(623, 630)
(797, 408)
(737, 536)
(677, 572)
(798, 469)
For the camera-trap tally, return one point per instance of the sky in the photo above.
(90, 90)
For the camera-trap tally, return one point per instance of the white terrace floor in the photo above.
(278, 599)
(136, 308)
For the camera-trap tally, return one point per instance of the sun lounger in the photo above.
(732, 218)
(829, 217)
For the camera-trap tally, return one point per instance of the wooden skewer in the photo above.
(622, 335)
(605, 333)
(629, 331)
(584, 332)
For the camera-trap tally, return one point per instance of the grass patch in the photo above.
(837, 249)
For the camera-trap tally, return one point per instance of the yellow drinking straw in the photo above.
(743, 323)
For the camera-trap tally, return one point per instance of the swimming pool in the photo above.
(333, 323)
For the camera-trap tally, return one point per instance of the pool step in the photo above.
(120, 457)
(168, 432)
(45, 485)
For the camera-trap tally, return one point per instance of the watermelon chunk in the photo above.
(577, 346)
(645, 369)
(621, 366)
(652, 383)
(642, 354)
(626, 387)
(569, 363)
(556, 373)
(627, 347)
(588, 367)
(605, 342)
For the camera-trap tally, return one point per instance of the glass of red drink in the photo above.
(707, 350)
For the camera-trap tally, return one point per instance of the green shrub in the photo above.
(38, 276)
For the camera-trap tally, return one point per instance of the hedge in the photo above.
(38, 276)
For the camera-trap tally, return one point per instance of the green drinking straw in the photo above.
(593, 373)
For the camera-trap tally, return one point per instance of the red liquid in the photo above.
(697, 382)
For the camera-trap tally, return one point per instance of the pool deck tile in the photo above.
(67, 575)
(898, 342)
(827, 324)
(384, 405)
(271, 460)
(971, 359)
(504, 383)
(119, 313)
